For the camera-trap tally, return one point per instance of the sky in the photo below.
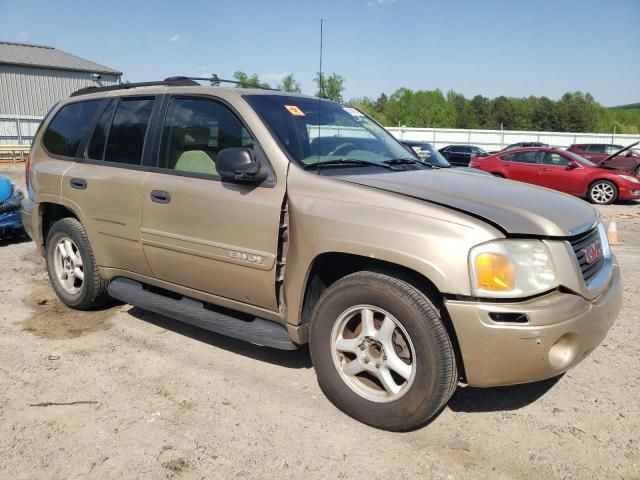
(490, 48)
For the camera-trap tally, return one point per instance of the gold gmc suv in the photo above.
(281, 220)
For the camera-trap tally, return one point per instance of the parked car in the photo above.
(461, 154)
(10, 200)
(597, 152)
(257, 214)
(513, 146)
(564, 171)
(429, 154)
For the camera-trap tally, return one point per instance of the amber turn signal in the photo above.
(494, 272)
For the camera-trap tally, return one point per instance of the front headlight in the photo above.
(511, 269)
(629, 178)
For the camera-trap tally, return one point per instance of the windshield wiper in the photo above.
(348, 162)
(405, 161)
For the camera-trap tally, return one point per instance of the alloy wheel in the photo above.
(373, 353)
(68, 265)
(602, 193)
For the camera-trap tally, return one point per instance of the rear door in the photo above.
(199, 232)
(555, 174)
(522, 166)
(105, 184)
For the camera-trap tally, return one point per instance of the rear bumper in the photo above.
(563, 329)
(26, 212)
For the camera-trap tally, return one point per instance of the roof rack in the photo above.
(177, 81)
(169, 82)
(215, 81)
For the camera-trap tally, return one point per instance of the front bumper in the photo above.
(629, 193)
(563, 329)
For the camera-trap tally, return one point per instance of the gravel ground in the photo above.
(125, 393)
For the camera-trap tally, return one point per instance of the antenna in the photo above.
(320, 95)
(321, 79)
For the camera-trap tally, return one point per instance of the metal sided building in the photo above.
(33, 78)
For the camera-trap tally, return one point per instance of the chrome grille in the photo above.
(579, 243)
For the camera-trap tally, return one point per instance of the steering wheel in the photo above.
(341, 147)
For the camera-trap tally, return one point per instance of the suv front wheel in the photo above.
(381, 351)
(72, 268)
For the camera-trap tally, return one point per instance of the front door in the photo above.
(105, 184)
(199, 232)
(554, 173)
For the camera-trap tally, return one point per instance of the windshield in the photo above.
(578, 158)
(429, 154)
(314, 131)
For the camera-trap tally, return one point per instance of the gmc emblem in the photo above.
(592, 252)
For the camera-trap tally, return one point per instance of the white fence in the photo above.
(20, 131)
(497, 139)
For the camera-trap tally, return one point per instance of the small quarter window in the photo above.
(66, 131)
(128, 130)
(98, 140)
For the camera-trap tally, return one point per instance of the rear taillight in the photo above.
(27, 170)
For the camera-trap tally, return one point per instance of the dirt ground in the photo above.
(125, 393)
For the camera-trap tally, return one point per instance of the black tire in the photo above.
(594, 197)
(498, 175)
(92, 293)
(436, 374)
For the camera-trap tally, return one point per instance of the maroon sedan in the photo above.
(564, 171)
(597, 152)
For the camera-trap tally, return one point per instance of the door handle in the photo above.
(78, 183)
(160, 196)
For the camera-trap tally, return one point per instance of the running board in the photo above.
(233, 324)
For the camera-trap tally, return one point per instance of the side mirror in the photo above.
(572, 165)
(238, 165)
(629, 153)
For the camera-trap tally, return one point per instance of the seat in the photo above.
(194, 159)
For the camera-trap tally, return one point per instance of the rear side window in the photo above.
(125, 139)
(522, 157)
(68, 128)
(597, 148)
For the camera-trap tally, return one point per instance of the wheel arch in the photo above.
(329, 267)
(49, 214)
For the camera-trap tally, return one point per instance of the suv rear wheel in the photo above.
(72, 269)
(381, 352)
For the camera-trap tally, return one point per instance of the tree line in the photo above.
(573, 112)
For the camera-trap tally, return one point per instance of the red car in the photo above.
(564, 171)
(597, 152)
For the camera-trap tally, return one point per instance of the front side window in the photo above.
(195, 131)
(125, 140)
(611, 149)
(68, 128)
(555, 159)
(314, 132)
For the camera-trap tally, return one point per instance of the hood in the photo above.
(603, 162)
(515, 208)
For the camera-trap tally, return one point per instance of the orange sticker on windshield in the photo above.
(293, 110)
